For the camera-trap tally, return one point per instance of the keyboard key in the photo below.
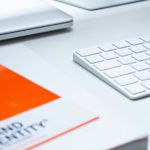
(135, 41)
(147, 84)
(143, 75)
(107, 47)
(148, 62)
(145, 38)
(138, 48)
(135, 88)
(139, 66)
(148, 52)
(120, 71)
(88, 51)
(109, 55)
(147, 45)
(126, 60)
(141, 56)
(125, 80)
(123, 52)
(121, 44)
(107, 65)
(94, 58)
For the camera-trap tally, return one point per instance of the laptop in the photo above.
(25, 17)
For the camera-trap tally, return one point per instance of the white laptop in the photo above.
(26, 17)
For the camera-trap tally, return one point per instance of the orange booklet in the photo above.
(31, 115)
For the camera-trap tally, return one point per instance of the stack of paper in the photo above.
(38, 112)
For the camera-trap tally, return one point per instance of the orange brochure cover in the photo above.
(31, 115)
(19, 94)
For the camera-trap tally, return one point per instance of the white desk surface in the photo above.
(90, 29)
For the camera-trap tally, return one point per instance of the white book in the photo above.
(62, 122)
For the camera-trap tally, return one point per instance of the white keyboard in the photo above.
(125, 65)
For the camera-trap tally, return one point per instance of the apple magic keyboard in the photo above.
(125, 65)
